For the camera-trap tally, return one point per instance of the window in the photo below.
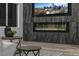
(2, 14)
(8, 14)
(12, 15)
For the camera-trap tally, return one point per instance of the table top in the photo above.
(15, 37)
(29, 48)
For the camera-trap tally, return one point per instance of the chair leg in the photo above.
(20, 52)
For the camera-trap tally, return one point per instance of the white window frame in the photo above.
(6, 14)
(18, 14)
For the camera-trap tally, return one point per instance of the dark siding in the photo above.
(71, 37)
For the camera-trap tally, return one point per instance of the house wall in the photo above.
(19, 28)
(71, 37)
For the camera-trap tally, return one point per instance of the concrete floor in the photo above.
(68, 50)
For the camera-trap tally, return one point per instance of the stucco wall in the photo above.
(19, 28)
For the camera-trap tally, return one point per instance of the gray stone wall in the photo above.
(71, 37)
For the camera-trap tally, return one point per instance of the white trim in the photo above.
(18, 15)
(6, 14)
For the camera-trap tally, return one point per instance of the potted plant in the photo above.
(11, 33)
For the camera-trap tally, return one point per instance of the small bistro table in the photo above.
(25, 49)
(13, 38)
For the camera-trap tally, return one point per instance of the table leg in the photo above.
(37, 53)
(26, 53)
(11, 40)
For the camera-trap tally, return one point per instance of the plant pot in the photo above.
(6, 31)
(9, 35)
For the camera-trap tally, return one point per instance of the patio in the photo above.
(53, 49)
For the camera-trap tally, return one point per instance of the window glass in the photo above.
(12, 15)
(2, 14)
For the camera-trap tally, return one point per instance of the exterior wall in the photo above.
(71, 37)
(19, 28)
